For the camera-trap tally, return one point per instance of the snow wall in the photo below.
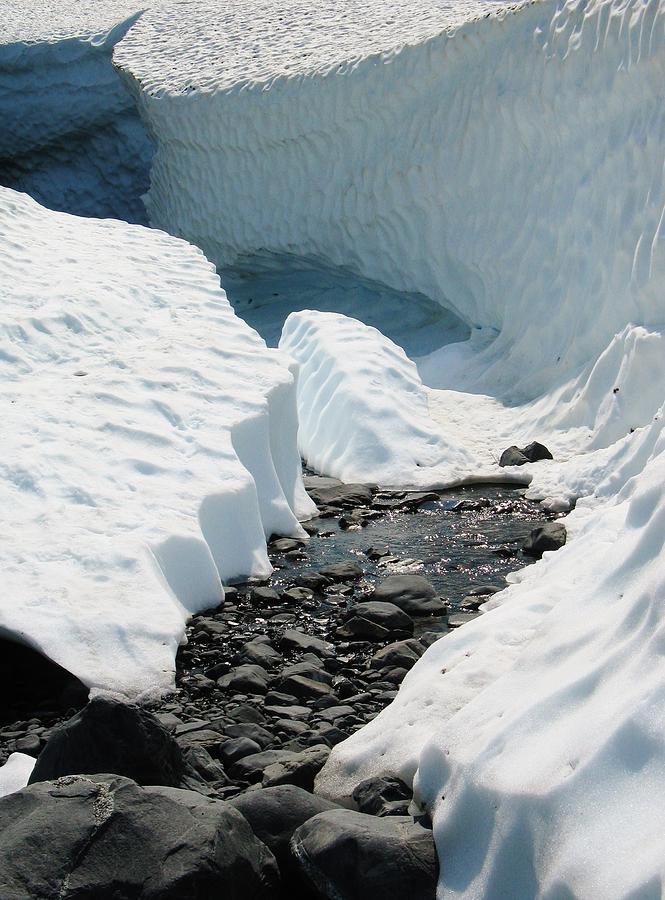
(510, 167)
(71, 135)
(149, 444)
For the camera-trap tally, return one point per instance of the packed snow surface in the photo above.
(71, 135)
(149, 443)
(15, 773)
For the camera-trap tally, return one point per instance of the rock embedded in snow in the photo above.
(347, 854)
(181, 844)
(551, 536)
(157, 474)
(386, 796)
(516, 456)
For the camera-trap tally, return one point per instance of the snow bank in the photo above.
(15, 773)
(510, 167)
(71, 136)
(149, 443)
(362, 410)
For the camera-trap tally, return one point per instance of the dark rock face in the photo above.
(106, 838)
(383, 796)
(109, 736)
(349, 855)
(413, 594)
(552, 536)
(516, 456)
(330, 492)
(300, 770)
(342, 571)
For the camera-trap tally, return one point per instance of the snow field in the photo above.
(150, 444)
(74, 140)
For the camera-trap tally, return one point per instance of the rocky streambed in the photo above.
(279, 674)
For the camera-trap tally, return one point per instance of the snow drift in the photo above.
(71, 135)
(149, 443)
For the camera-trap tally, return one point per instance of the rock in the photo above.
(285, 545)
(265, 596)
(260, 653)
(274, 813)
(401, 654)
(105, 837)
(411, 593)
(376, 551)
(292, 639)
(298, 595)
(516, 456)
(112, 737)
(237, 748)
(203, 763)
(305, 688)
(309, 669)
(512, 456)
(358, 628)
(383, 796)
(246, 679)
(250, 768)
(249, 730)
(29, 744)
(349, 855)
(342, 571)
(313, 581)
(245, 713)
(551, 536)
(300, 770)
(339, 495)
(386, 614)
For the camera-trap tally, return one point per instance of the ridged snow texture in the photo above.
(362, 410)
(71, 136)
(148, 443)
(510, 167)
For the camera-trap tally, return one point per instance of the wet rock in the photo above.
(342, 571)
(259, 652)
(285, 545)
(350, 855)
(292, 639)
(383, 796)
(401, 654)
(411, 593)
(250, 768)
(250, 679)
(301, 769)
(303, 688)
(245, 713)
(376, 551)
(103, 836)
(551, 536)
(313, 581)
(309, 668)
(112, 737)
(386, 614)
(297, 595)
(265, 597)
(361, 629)
(326, 493)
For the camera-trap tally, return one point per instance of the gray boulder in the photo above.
(351, 856)
(401, 654)
(301, 769)
(551, 536)
(383, 796)
(106, 838)
(411, 593)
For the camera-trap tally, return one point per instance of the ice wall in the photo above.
(509, 166)
(149, 443)
(71, 136)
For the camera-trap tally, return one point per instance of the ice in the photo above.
(149, 444)
(15, 773)
(71, 136)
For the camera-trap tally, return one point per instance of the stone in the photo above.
(298, 595)
(245, 713)
(265, 596)
(105, 837)
(274, 813)
(292, 639)
(383, 796)
(386, 614)
(303, 688)
(401, 654)
(250, 730)
(309, 668)
(512, 456)
(250, 768)
(376, 551)
(237, 748)
(535, 452)
(358, 628)
(346, 854)
(411, 593)
(300, 770)
(342, 571)
(519, 456)
(339, 495)
(551, 536)
(285, 545)
(248, 679)
(108, 736)
(260, 653)
(203, 763)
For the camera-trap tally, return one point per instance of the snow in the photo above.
(362, 410)
(80, 146)
(15, 773)
(149, 444)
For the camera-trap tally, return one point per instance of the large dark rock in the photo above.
(385, 614)
(519, 456)
(330, 492)
(350, 856)
(301, 769)
(120, 738)
(551, 536)
(103, 837)
(342, 571)
(245, 679)
(411, 593)
(401, 654)
(292, 639)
